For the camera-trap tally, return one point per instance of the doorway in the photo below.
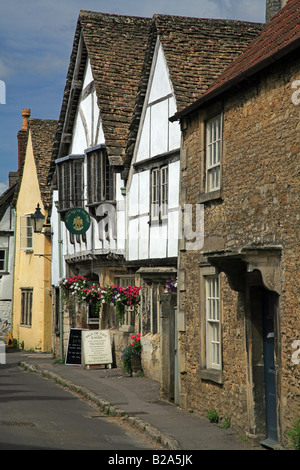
(264, 307)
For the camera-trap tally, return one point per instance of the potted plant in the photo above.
(131, 355)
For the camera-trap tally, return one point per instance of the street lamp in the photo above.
(38, 220)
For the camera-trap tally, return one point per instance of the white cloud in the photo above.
(5, 70)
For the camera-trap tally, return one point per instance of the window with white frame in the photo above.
(159, 193)
(26, 306)
(213, 337)
(3, 260)
(26, 233)
(100, 177)
(213, 153)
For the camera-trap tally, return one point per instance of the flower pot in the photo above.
(136, 363)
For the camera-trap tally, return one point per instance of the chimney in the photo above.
(22, 136)
(273, 7)
(12, 178)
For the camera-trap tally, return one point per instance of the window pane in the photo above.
(26, 306)
(164, 190)
(77, 184)
(154, 194)
(26, 232)
(2, 260)
(213, 153)
(212, 322)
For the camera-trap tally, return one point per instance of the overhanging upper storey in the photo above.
(114, 47)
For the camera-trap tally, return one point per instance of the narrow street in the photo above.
(36, 414)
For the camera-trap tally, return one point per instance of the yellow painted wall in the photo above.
(32, 271)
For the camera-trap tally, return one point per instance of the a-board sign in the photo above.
(73, 355)
(96, 347)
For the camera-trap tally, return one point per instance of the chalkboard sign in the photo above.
(74, 347)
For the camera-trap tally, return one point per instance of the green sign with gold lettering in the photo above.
(77, 221)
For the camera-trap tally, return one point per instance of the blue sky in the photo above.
(36, 38)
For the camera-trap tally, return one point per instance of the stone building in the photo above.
(238, 300)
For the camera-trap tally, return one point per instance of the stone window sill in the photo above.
(211, 374)
(211, 196)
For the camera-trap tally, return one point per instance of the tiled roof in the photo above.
(6, 199)
(279, 37)
(42, 136)
(116, 47)
(196, 51)
(120, 49)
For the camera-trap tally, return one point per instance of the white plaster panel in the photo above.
(144, 139)
(86, 110)
(144, 192)
(133, 196)
(173, 184)
(54, 245)
(88, 77)
(79, 142)
(174, 127)
(121, 230)
(158, 241)
(160, 83)
(159, 128)
(133, 250)
(143, 237)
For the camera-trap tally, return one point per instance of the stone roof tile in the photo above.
(42, 134)
(279, 37)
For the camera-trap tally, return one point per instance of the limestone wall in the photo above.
(257, 206)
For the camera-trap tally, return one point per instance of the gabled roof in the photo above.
(6, 199)
(196, 51)
(42, 135)
(116, 47)
(120, 49)
(278, 38)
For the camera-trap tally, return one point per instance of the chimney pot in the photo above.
(26, 116)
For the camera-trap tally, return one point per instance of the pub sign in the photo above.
(77, 221)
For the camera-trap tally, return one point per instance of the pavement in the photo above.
(137, 400)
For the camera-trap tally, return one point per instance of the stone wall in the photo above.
(5, 319)
(258, 206)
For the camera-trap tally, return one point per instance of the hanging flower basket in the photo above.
(116, 296)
